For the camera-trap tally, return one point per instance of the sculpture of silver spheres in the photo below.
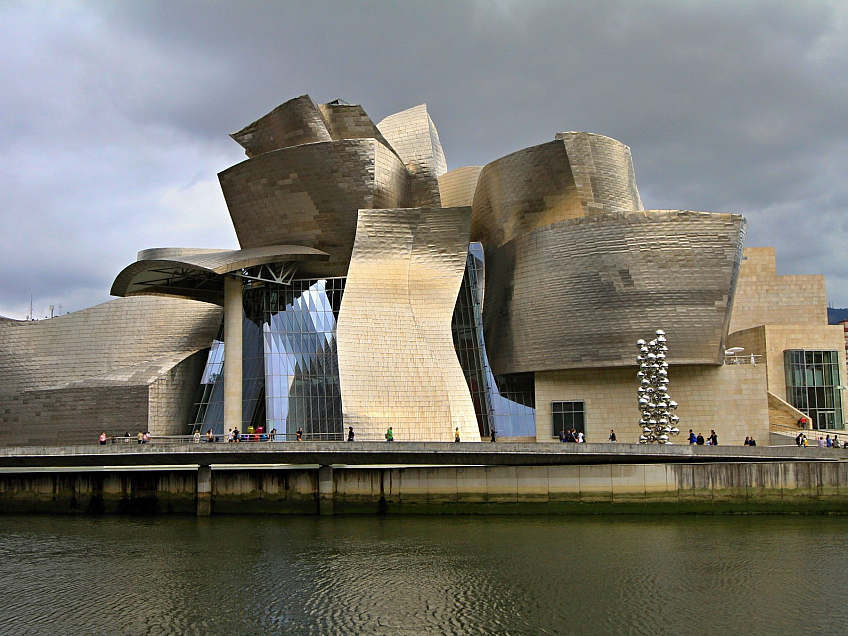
(658, 422)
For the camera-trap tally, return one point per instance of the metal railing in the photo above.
(218, 438)
(742, 359)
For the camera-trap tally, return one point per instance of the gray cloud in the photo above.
(114, 116)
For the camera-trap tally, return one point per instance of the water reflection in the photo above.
(427, 575)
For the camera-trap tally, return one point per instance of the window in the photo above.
(567, 416)
(812, 386)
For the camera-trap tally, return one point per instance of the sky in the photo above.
(115, 116)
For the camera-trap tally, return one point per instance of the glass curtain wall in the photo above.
(505, 403)
(290, 362)
(812, 386)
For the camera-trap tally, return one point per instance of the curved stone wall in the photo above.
(397, 363)
(309, 195)
(578, 293)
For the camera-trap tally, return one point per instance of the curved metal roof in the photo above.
(199, 274)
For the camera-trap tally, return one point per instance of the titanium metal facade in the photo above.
(127, 365)
(378, 289)
(397, 363)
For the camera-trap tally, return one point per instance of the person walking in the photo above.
(102, 438)
(713, 438)
(197, 436)
(692, 438)
(350, 434)
(494, 434)
(390, 436)
(456, 435)
(299, 434)
(209, 437)
(140, 437)
(700, 440)
(580, 438)
(612, 436)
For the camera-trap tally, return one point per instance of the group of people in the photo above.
(572, 436)
(699, 439)
(143, 437)
(256, 434)
(750, 441)
(826, 442)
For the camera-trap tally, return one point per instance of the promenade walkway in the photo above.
(396, 454)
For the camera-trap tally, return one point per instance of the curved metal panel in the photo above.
(146, 274)
(298, 121)
(414, 137)
(397, 363)
(575, 175)
(456, 187)
(309, 195)
(603, 172)
(349, 121)
(578, 293)
(67, 378)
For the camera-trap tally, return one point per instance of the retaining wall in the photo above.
(780, 487)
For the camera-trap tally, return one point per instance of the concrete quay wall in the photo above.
(715, 488)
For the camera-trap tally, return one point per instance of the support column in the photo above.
(325, 490)
(233, 311)
(204, 491)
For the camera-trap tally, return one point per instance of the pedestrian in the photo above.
(799, 440)
(835, 441)
(103, 438)
(456, 435)
(580, 438)
(747, 442)
(273, 436)
(350, 434)
(197, 436)
(713, 438)
(753, 442)
(230, 437)
(390, 436)
(145, 438)
(562, 435)
(828, 442)
(699, 440)
(299, 434)
(209, 437)
(140, 437)
(692, 438)
(612, 436)
(494, 434)
(820, 442)
(236, 435)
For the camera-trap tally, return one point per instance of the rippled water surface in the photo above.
(424, 575)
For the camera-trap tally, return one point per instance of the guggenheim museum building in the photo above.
(373, 288)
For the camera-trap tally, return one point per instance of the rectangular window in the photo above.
(813, 386)
(567, 416)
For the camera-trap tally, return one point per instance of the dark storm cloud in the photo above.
(114, 116)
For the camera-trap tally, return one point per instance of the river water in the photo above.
(424, 575)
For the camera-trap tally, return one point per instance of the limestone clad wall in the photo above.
(770, 341)
(730, 399)
(764, 298)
